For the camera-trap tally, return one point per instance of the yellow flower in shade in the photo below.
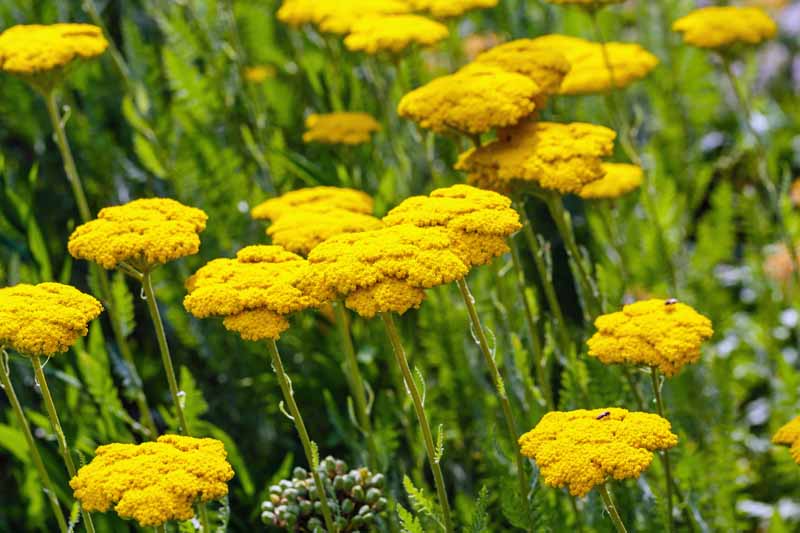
(300, 231)
(314, 198)
(44, 319)
(476, 220)
(258, 73)
(154, 482)
(384, 270)
(723, 26)
(142, 233)
(254, 292)
(340, 128)
(474, 100)
(583, 448)
(562, 157)
(393, 33)
(546, 67)
(620, 178)
(336, 16)
(665, 334)
(589, 72)
(450, 8)
(789, 435)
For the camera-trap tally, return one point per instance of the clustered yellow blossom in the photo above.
(154, 482)
(476, 220)
(789, 435)
(254, 292)
(581, 449)
(385, 270)
(142, 233)
(340, 128)
(474, 100)
(44, 319)
(620, 179)
(258, 73)
(300, 231)
(664, 334)
(450, 8)
(336, 16)
(562, 157)
(723, 26)
(316, 199)
(393, 33)
(546, 67)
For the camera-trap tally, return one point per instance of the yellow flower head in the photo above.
(474, 100)
(253, 292)
(789, 435)
(477, 221)
(589, 72)
(546, 67)
(44, 319)
(385, 270)
(620, 178)
(143, 233)
(723, 26)
(154, 482)
(393, 33)
(314, 199)
(336, 16)
(258, 73)
(301, 230)
(562, 157)
(340, 128)
(441, 9)
(581, 449)
(665, 334)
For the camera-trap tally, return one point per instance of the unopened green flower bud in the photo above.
(372, 495)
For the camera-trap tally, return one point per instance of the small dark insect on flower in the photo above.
(603, 415)
(671, 301)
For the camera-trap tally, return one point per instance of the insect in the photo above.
(603, 415)
(671, 301)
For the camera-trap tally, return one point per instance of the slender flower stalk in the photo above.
(427, 435)
(308, 447)
(654, 374)
(63, 448)
(611, 508)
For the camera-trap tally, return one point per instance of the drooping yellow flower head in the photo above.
(474, 100)
(546, 67)
(581, 449)
(620, 178)
(340, 128)
(154, 482)
(450, 8)
(336, 16)
(723, 26)
(314, 199)
(142, 233)
(44, 319)
(301, 230)
(385, 270)
(665, 334)
(789, 435)
(393, 33)
(589, 72)
(476, 220)
(258, 73)
(562, 157)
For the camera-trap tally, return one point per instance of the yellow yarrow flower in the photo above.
(789, 435)
(385, 270)
(336, 16)
(393, 33)
(44, 319)
(723, 26)
(301, 230)
(546, 67)
(450, 8)
(664, 334)
(258, 73)
(154, 482)
(474, 100)
(143, 233)
(582, 449)
(340, 128)
(477, 221)
(561, 157)
(316, 199)
(620, 179)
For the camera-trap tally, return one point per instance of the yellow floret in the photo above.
(659, 333)
(719, 27)
(450, 8)
(620, 179)
(258, 73)
(155, 482)
(789, 435)
(581, 449)
(314, 198)
(340, 128)
(336, 16)
(44, 319)
(301, 230)
(393, 33)
(546, 67)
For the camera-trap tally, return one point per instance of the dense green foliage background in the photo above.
(176, 119)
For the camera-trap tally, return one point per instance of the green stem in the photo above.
(612, 230)
(166, 359)
(411, 386)
(44, 477)
(664, 454)
(161, 529)
(203, 512)
(634, 388)
(356, 382)
(612, 509)
(308, 447)
(63, 448)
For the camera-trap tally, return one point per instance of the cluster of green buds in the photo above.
(355, 498)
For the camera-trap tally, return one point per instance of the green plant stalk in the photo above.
(607, 219)
(44, 477)
(634, 388)
(63, 448)
(161, 529)
(203, 515)
(427, 435)
(166, 359)
(499, 386)
(356, 382)
(297, 418)
(654, 374)
(611, 508)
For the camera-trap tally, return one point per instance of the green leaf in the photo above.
(195, 404)
(13, 441)
(147, 156)
(480, 517)
(419, 501)
(408, 522)
(439, 444)
(123, 303)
